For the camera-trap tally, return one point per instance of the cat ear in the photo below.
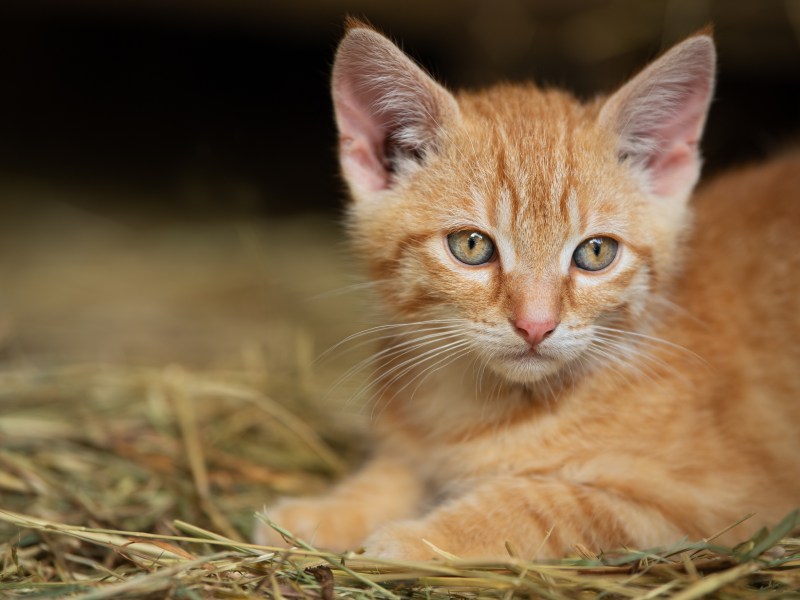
(389, 111)
(659, 116)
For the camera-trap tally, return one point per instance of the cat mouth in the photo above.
(525, 366)
(527, 355)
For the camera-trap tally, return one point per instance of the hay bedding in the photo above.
(158, 384)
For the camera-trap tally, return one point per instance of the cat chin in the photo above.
(526, 369)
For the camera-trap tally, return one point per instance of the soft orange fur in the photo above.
(637, 441)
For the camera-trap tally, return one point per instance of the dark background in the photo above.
(193, 109)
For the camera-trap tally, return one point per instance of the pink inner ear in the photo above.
(675, 164)
(361, 141)
(659, 117)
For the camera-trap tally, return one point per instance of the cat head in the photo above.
(528, 219)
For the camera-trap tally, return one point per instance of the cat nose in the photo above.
(532, 331)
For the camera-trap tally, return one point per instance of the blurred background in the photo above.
(168, 186)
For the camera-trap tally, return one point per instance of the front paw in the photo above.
(318, 522)
(401, 540)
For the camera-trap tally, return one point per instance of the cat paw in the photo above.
(316, 522)
(402, 540)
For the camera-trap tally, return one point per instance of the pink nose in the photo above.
(534, 332)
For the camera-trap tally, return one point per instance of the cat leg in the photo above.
(384, 489)
(538, 518)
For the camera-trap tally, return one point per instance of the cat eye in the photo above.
(595, 253)
(471, 247)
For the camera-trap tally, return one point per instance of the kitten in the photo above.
(576, 356)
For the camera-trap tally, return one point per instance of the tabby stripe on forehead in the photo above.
(508, 210)
(505, 203)
(507, 179)
(568, 202)
(491, 199)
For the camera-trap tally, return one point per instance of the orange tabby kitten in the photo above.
(576, 356)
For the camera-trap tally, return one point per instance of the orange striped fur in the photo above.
(664, 403)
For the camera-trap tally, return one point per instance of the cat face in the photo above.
(526, 183)
(530, 220)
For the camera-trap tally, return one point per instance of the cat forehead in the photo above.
(523, 157)
(526, 135)
(525, 114)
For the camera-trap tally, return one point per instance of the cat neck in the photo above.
(462, 399)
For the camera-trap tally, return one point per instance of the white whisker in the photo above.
(393, 351)
(408, 366)
(384, 328)
(655, 340)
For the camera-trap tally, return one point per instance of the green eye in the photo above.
(595, 253)
(471, 247)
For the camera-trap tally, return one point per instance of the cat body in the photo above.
(578, 354)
